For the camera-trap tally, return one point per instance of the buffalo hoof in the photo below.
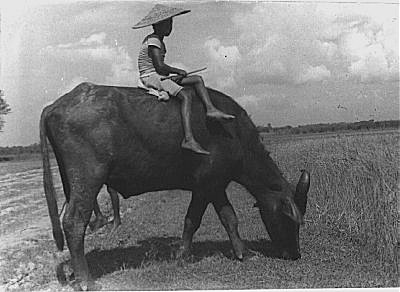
(78, 286)
(248, 254)
(291, 257)
(85, 286)
(64, 273)
(238, 249)
(239, 257)
(182, 254)
(60, 273)
(189, 258)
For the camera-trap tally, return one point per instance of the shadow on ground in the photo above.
(160, 249)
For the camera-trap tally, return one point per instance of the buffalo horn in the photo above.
(302, 188)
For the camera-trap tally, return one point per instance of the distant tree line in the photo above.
(20, 152)
(331, 127)
(16, 150)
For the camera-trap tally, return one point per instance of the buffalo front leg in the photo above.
(195, 212)
(229, 220)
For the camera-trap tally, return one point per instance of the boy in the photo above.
(152, 68)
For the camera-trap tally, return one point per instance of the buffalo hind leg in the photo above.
(100, 220)
(76, 218)
(115, 205)
(195, 212)
(229, 220)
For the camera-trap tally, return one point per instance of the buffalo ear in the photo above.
(256, 205)
(290, 209)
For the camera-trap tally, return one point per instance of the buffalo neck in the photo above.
(259, 173)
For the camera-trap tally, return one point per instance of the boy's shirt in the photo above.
(145, 64)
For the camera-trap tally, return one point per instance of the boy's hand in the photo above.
(177, 79)
(181, 73)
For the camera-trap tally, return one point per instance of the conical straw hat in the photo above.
(159, 13)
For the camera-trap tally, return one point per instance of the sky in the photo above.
(286, 63)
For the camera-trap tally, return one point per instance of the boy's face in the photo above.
(164, 27)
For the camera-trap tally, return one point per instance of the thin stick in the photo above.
(191, 72)
(62, 208)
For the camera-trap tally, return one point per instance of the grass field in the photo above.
(350, 238)
(355, 185)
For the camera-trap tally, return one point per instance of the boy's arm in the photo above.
(160, 66)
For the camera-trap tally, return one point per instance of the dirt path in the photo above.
(24, 218)
(23, 211)
(27, 249)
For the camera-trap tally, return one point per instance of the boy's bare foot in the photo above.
(194, 146)
(218, 115)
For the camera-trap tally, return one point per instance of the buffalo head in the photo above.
(282, 214)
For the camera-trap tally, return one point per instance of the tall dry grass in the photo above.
(355, 186)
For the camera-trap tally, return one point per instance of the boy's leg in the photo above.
(188, 142)
(174, 89)
(198, 83)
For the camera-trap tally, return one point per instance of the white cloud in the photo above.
(370, 58)
(94, 48)
(247, 100)
(223, 62)
(292, 43)
(11, 47)
(373, 65)
(366, 37)
(94, 39)
(69, 86)
(122, 70)
(280, 44)
(327, 48)
(317, 73)
(252, 103)
(97, 38)
(223, 55)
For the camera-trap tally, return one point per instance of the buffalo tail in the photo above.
(49, 185)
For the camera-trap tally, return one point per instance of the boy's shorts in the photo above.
(154, 81)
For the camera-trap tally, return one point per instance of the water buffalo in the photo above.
(126, 139)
